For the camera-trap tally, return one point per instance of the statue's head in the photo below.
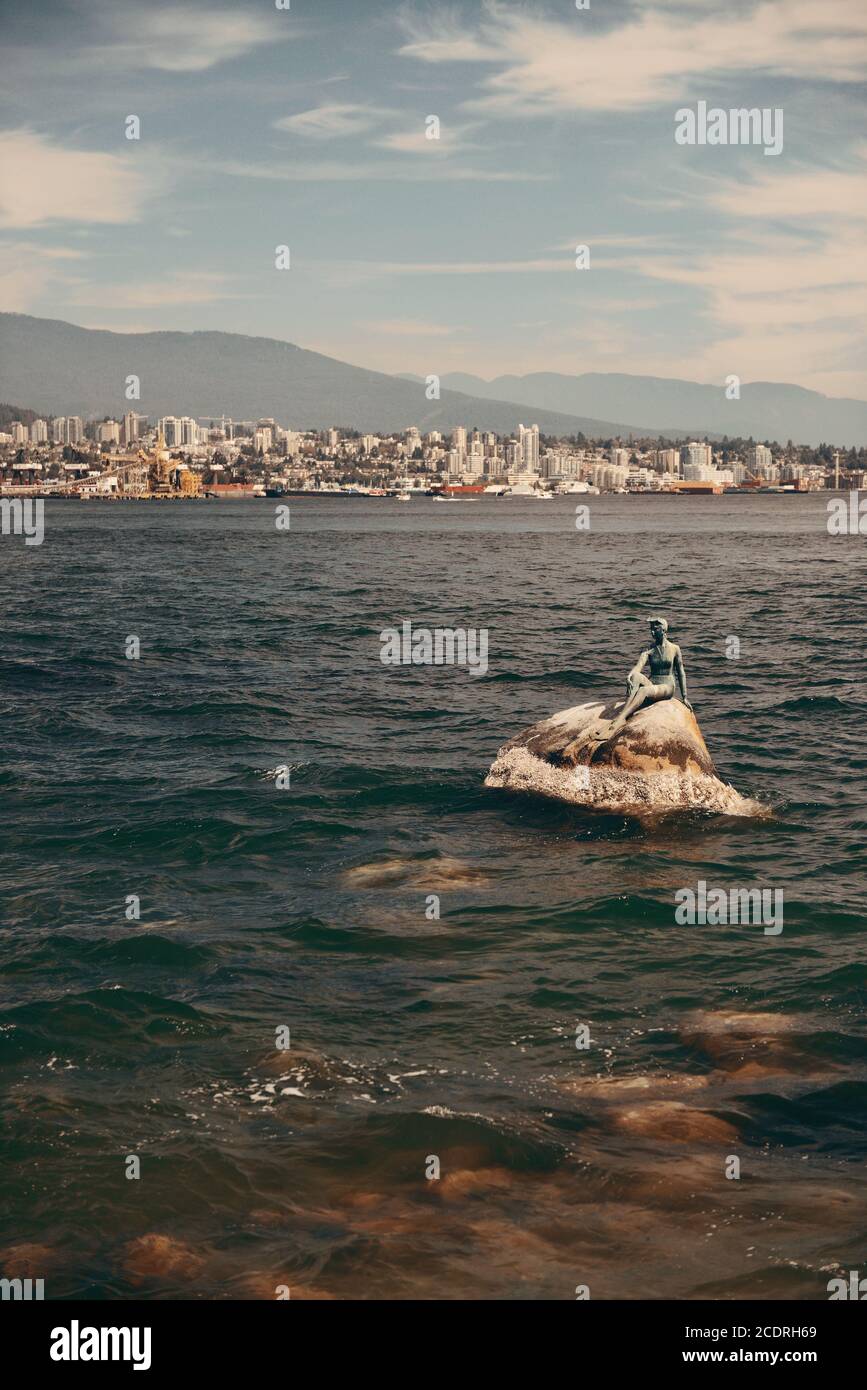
(658, 628)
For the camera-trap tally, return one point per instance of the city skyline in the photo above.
(308, 128)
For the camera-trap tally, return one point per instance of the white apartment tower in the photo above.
(529, 441)
(759, 461)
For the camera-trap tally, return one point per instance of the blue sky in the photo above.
(306, 127)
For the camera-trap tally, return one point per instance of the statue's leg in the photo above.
(638, 690)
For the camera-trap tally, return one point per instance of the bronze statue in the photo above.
(666, 668)
(666, 675)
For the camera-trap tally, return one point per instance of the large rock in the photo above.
(658, 761)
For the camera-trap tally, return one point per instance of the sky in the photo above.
(306, 127)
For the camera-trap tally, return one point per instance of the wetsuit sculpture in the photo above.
(666, 668)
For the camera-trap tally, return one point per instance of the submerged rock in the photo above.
(675, 1122)
(434, 874)
(156, 1256)
(658, 761)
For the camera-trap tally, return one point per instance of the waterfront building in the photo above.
(696, 455)
(700, 471)
(529, 444)
(132, 427)
(108, 432)
(759, 460)
(666, 460)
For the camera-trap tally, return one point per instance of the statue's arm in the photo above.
(681, 677)
(640, 664)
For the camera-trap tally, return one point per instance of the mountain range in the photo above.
(58, 368)
(765, 410)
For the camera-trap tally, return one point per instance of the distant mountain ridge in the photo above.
(765, 410)
(58, 368)
(61, 369)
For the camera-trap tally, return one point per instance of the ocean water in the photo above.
(308, 907)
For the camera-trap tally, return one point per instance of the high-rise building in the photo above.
(699, 472)
(459, 439)
(131, 427)
(39, 432)
(74, 429)
(180, 433)
(514, 457)
(19, 432)
(696, 455)
(759, 460)
(108, 432)
(667, 461)
(529, 441)
(58, 429)
(476, 456)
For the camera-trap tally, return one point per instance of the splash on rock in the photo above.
(657, 762)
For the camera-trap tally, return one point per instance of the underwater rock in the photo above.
(26, 1261)
(658, 761)
(161, 1257)
(433, 874)
(675, 1122)
(613, 1087)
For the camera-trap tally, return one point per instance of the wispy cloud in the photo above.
(185, 38)
(450, 139)
(30, 273)
(655, 56)
(785, 282)
(543, 265)
(181, 287)
(384, 171)
(413, 328)
(332, 121)
(45, 182)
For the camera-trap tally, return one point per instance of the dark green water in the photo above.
(305, 907)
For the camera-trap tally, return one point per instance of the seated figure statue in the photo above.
(666, 667)
(666, 672)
